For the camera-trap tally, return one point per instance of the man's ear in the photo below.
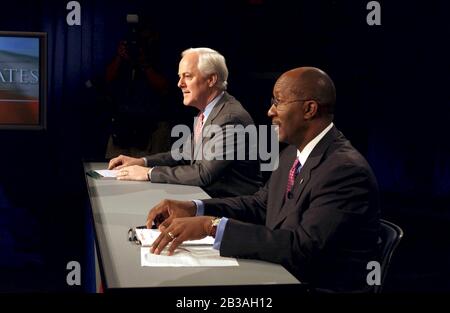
(212, 80)
(310, 108)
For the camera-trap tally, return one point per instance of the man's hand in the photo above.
(122, 161)
(182, 229)
(164, 212)
(134, 172)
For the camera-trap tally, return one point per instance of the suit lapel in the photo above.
(278, 182)
(217, 108)
(304, 177)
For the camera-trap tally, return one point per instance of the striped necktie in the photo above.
(291, 178)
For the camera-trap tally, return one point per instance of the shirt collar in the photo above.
(304, 154)
(211, 105)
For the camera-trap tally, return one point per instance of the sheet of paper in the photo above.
(107, 173)
(186, 257)
(147, 236)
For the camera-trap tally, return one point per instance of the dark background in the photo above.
(392, 103)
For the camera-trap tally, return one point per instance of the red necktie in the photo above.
(198, 126)
(292, 174)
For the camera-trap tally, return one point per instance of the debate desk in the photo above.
(119, 205)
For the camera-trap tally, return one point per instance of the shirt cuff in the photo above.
(219, 233)
(200, 207)
(145, 162)
(149, 173)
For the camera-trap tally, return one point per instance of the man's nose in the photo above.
(180, 83)
(272, 111)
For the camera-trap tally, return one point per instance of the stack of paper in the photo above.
(190, 256)
(107, 173)
(190, 253)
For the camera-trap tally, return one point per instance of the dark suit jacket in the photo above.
(219, 178)
(326, 233)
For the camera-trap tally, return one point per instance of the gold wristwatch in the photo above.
(214, 223)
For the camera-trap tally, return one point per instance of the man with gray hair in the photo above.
(203, 78)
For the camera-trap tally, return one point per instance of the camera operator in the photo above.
(138, 95)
